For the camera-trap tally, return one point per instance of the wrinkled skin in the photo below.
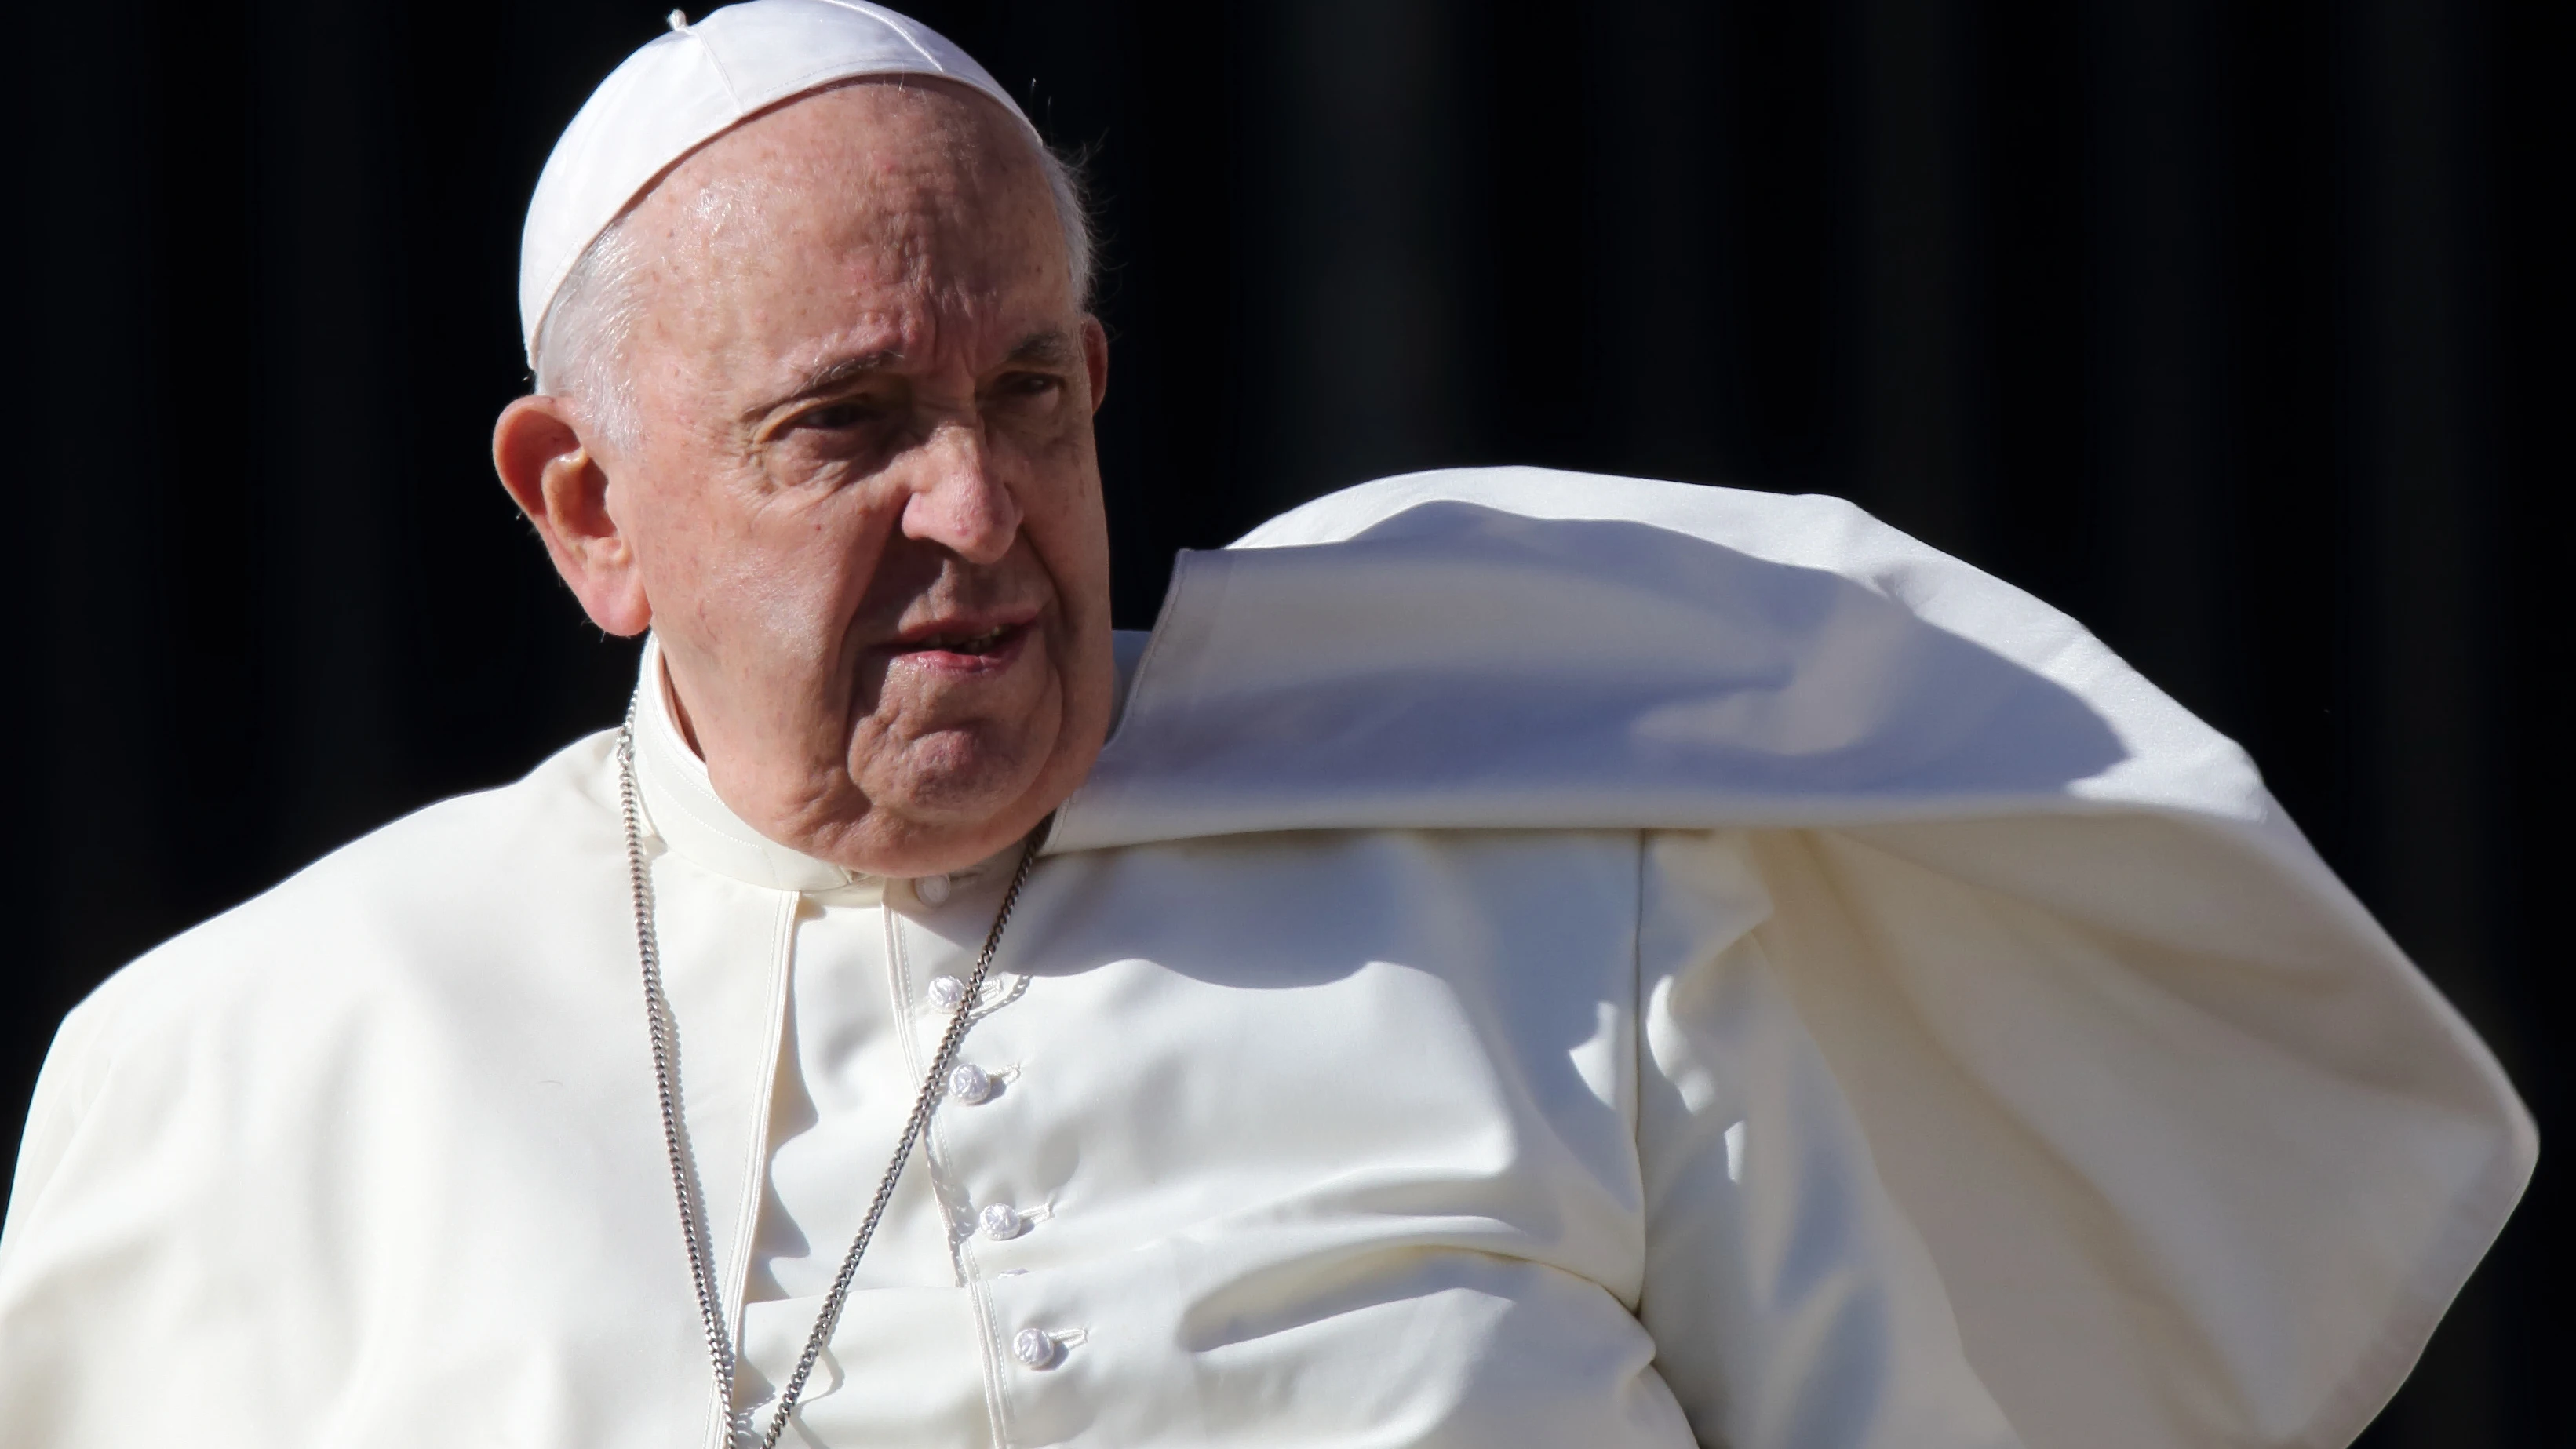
(863, 514)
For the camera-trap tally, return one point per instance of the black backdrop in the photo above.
(2228, 328)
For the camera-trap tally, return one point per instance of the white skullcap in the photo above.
(686, 88)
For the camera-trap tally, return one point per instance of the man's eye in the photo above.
(1030, 384)
(835, 415)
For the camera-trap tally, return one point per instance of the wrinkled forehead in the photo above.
(889, 218)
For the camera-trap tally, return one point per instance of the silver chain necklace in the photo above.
(657, 1011)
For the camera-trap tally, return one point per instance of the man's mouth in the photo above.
(984, 643)
(974, 645)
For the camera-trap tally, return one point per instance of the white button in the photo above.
(970, 1084)
(1002, 1222)
(932, 889)
(947, 992)
(1033, 1348)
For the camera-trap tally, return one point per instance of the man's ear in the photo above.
(560, 485)
(1095, 359)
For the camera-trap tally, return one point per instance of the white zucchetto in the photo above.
(689, 86)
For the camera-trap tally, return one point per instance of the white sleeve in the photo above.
(53, 1113)
(1792, 1305)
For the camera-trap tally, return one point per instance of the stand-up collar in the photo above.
(682, 808)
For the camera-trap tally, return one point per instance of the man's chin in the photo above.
(912, 849)
(942, 821)
(954, 796)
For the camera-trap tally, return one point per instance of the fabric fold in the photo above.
(2199, 1154)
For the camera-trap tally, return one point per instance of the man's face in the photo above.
(864, 504)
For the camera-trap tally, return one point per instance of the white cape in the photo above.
(2198, 1156)
(2196, 1150)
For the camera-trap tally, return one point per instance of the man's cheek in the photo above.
(796, 596)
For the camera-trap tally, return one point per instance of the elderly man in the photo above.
(1538, 960)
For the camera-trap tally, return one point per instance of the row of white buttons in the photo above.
(973, 1086)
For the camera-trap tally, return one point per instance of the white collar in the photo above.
(681, 806)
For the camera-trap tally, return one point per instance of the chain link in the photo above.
(657, 1013)
(657, 1009)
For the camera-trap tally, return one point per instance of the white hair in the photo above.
(582, 343)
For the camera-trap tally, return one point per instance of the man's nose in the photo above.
(956, 501)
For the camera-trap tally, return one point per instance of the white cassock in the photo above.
(1543, 960)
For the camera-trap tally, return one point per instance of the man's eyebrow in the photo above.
(831, 376)
(1051, 348)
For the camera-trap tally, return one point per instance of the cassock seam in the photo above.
(733, 92)
(961, 1260)
(895, 23)
(755, 1178)
(902, 992)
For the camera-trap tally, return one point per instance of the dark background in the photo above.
(2232, 329)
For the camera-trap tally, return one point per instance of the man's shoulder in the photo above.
(436, 885)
